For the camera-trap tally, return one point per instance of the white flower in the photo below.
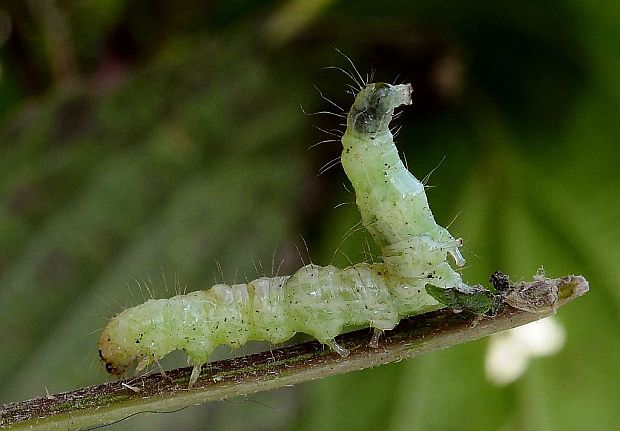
(509, 352)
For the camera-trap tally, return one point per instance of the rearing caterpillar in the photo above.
(412, 277)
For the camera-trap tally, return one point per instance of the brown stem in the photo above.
(99, 405)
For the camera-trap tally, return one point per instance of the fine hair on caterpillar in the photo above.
(411, 275)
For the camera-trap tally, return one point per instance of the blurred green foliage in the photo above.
(159, 141)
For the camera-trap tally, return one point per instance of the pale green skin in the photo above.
(392, 202)
(319, 301)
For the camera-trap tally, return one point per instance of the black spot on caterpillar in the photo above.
(412, 277)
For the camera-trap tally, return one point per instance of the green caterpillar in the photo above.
(412, 277)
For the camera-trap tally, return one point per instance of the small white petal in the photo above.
(505, 360)
(543, 337)
(510, 351)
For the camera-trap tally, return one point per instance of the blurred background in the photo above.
(146, 144)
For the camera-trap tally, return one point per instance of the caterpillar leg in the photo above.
(374, 342)
(195, 374)
(337, 348)
(197, 356)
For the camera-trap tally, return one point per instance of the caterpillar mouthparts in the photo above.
(374, 106)
(412, 277)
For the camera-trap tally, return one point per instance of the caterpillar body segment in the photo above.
(319, 301)
(413, 275)
(391, 201)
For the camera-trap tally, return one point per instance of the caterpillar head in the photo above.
(374, 106)
(114, 355)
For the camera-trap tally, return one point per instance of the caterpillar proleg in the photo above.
(413, 275)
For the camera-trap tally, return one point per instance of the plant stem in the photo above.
(100, 405)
